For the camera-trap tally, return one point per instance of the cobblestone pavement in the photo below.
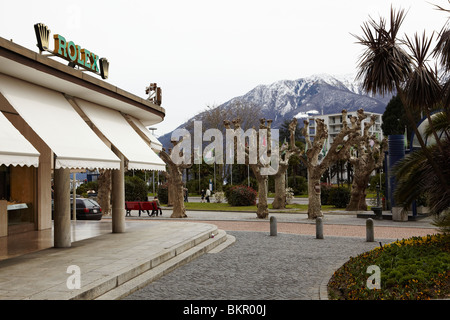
(259, 267)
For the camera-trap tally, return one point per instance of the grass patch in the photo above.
(417, 268)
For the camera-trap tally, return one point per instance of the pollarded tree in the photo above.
(366, 157)
(287, 150)
(258, 148)
(174, 176)
(338, 151)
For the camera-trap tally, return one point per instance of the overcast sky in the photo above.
(205, 52)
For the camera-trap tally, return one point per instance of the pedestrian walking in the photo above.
(208, 194)
(203, 196)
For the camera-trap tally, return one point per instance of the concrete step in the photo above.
(184, 254)
(229, 241)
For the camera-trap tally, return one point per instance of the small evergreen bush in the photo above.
(339, 197)
(298, 184)
(163, 193)
(240, 196)
(135, 189)
(325, 191)
(335, 196)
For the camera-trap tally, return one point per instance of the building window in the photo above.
(17, 187)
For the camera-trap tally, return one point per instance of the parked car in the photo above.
(87, 209)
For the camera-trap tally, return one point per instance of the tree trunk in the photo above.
(170, 193)
(179, 210)
(358, 193)
(262, 209)
(279, 201)
(104, 191)
(315, 205)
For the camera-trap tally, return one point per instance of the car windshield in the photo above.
(85, 203)
(90, 203)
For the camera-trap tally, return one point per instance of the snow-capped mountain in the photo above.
(314, 95)
(317, 94)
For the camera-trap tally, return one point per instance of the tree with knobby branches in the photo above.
(258, 148)
(174, 175)
(366, 156)
(287, 150)
(339, 150)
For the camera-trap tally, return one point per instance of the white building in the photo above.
(334, 124)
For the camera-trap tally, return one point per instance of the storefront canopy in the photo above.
(121, 134)
(55, 121)
(15, 150)
(155, 144)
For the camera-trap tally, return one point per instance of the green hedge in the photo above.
(135, 189)
(163, 193)
(338, 197)
(240, 196)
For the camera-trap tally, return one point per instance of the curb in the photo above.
(218, 238)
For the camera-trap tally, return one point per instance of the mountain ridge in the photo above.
(316, 94)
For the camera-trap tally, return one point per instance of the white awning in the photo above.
(57, 123)
(155, 144)
(119, 132)
(15, 150)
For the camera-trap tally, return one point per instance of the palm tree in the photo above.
(423, 90)
(416, 177)
(386, 67)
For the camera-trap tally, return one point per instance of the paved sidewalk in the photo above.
(293, 258)
(102, 262)
(293, 265)
(259, 267)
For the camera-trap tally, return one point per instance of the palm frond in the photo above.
(384, 64)
(415, 176)
(441, 123)
(423, 89)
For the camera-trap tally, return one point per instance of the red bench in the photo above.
(132, 205)
(141, 206)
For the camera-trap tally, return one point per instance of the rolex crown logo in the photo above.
(42, 36)
(104, 68)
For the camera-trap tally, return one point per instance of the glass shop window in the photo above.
(17, 186)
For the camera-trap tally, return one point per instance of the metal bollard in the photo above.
(273, 226)
(370, 235)
(319, 228)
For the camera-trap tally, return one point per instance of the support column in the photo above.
(118, 197)
(3, 218)
(62, 225)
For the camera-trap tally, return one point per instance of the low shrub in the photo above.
(240, 196)
(135, 189)
(163, 193)
(335, 196)
(298, 184)
(411, 269)
(325, 191)
(85, 187)
(340, 197)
